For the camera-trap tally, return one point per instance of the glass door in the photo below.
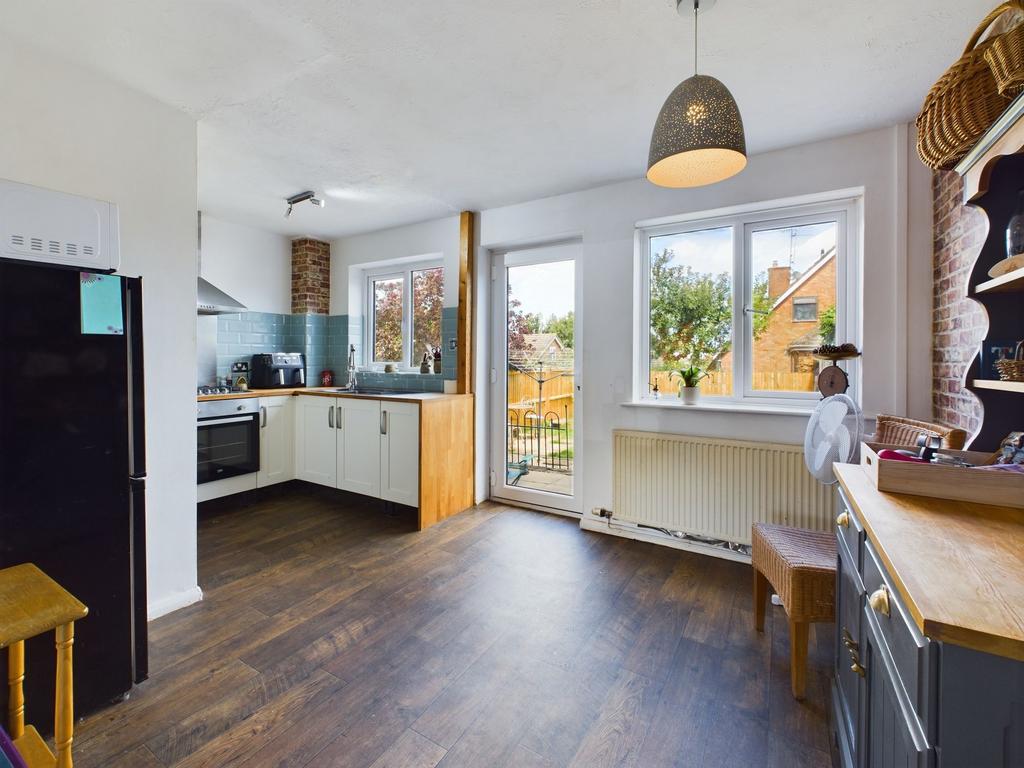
(535, 377)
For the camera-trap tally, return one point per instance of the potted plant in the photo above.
(689, 387)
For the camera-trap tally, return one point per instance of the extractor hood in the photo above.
(213, 301)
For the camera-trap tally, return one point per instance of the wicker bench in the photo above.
(898, 430)
(801, 567)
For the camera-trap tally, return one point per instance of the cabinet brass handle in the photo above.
(856, 666)
(849, 642)
(879, 601)
(843, 521)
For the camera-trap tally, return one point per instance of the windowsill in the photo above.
(400, 372)
(726, 406)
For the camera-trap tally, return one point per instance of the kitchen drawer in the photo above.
(913, 656)
(849, 530)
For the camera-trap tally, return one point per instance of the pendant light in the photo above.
(698, 137)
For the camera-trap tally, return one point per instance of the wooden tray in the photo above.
(943, 482)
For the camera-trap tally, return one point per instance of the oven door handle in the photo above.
(228, 420)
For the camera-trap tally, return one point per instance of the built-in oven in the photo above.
(228, 438)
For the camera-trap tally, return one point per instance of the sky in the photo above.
(544, 289)
(710, 250)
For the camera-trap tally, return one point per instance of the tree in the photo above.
(762, 304)
(827, 325)
(427, 300)
(691, 313)
(387, 324)
(520, 324)
(562, 327)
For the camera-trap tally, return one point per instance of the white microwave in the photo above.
(39, 224)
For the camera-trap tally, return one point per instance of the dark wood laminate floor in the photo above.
(334, 635)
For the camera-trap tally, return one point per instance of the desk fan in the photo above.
(833, 435)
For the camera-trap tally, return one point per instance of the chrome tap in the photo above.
(352, 384)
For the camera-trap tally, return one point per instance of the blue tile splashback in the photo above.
(325, 340)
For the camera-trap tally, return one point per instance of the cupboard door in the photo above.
(892, 735)
(358, 424)
(848, 683)
(400, 453)
(315, 441)
(277, 441)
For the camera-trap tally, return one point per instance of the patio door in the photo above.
(534, 374)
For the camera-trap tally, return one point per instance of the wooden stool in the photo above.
(32, 603)
(801, 566)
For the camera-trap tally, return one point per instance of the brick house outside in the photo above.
(792, 331)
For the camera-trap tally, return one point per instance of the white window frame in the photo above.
(845, 207)
(392, 272)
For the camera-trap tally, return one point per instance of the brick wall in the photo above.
(311, 277)
(959, 324)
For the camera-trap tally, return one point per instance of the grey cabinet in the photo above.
(848, 683)
(900, 699)
(892, 737)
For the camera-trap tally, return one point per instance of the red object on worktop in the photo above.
(326, 378)
(892, 455)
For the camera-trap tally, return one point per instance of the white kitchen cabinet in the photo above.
(277, 441)
(316, 452)
(400, 453)
(358, 424)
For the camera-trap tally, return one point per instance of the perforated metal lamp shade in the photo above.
(698, 138)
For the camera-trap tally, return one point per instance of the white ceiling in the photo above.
(405, 111)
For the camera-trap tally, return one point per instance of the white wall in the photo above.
(252, 265)
(896, 317)
(66, 129)
(605, 219)
(920, 282)
(427, 239)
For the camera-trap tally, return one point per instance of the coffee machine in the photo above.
(277, 370)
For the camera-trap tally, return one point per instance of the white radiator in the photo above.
(714, 488)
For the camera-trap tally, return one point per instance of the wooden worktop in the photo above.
(415, 397)
(958, 566)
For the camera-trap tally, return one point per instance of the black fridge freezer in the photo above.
(73, 469)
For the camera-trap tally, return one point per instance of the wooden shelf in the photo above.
(1003, 386)
(1011, 282)
(837, 357)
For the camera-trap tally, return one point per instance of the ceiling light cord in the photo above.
(696, 6)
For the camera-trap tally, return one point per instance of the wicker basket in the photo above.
(965, 101)
(1006, 56)
(1012, 370)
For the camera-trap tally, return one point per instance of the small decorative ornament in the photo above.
(832, 380)
(1014, 242)
(326, 378)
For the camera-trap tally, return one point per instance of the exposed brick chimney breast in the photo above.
(311, 277)
(779, 279)
(958, 323)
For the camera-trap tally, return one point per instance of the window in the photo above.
(805, 309)
(746, 297)
(404, 314)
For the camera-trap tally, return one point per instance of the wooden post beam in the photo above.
(467, 271)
